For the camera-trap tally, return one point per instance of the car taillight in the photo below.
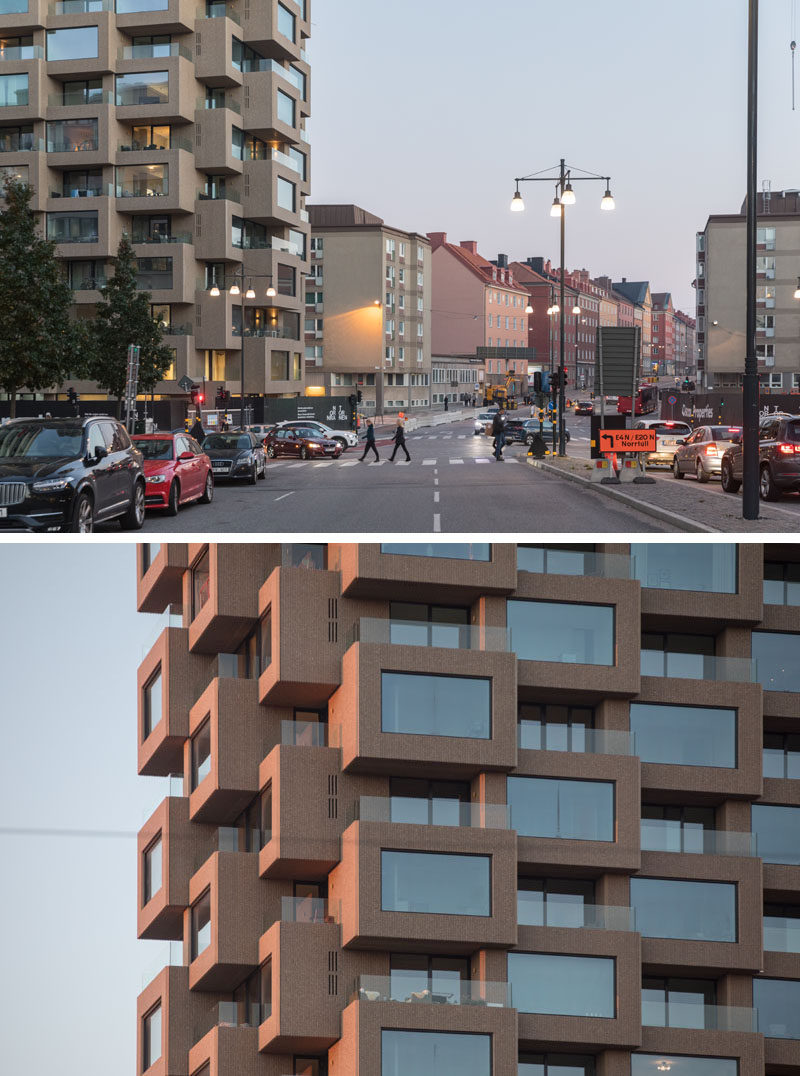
(786, 449)
(713, 450)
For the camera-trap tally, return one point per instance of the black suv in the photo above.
(66, 474)
(778, 458)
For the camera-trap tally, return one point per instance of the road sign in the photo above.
(618, 357)
(186, 383)
(672, 400)
(627, 440)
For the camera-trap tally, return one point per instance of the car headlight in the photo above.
(50, 485)
(156, 478)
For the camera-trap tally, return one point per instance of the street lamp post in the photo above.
(565, 196)
(750, 388)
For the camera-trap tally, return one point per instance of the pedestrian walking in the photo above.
(369, 439)
(399, 442)
(499, 435)
(197, 431)
(446, 403)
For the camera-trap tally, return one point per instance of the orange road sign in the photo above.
(627, 440)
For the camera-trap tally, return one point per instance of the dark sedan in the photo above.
(69, 474)
(584, 407)
(778, 458)
(300, 441)
(235, 455)
(525, 431)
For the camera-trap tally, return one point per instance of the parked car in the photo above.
(701, 453)
(346, 438)
(68, 474)
(302, 441)
(668, 434)
(177, 470)
(483, 421)
(236, 455)
(778, 458)
(584, 407)
(524, 430)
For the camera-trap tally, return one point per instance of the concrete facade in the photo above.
(271, 872)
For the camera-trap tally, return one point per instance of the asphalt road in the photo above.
(451, 485)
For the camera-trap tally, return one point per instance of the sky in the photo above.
(424, 113)
(70, 644)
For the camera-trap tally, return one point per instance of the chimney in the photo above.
(470, 245)
(624, 280)
(502, 261)
(537, 264)
(437, 239)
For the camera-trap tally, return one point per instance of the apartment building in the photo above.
(368, 310)
(637, 292)
(471, 809)
(182, 125)
(720, 291)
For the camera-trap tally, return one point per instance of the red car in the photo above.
(176, 470)
(299, 441)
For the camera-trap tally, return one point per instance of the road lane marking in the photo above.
(302, 464)
(402, 463)
(436, 481)
(428, 463)
(456, 461)
(437, 521)
(436, 496)
(351, 463)
(482, 459)
(289, 494)
(324, 463)
(376, 463)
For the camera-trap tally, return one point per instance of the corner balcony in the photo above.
(260, 26)
(228, 603)
(231, 1045)
(158, 16)
(160, 583)
(377, 988)
(214, 48)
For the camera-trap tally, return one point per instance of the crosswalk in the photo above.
(424, 462)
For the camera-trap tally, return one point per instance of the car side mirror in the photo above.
(185, 457)
(100, 453)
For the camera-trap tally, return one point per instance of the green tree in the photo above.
(39, 345)
(123, 318)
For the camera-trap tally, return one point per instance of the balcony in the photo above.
(22, 52)
(171, 617)
(156, 16)
(220, 11)
(228, 607)
(575, 916)
(169, 956)
(549, 561)
(81, 100)
(80, 7)
(465, 992)
(664, 836)
(406, 810)
(370, 630)
(154, 52)
(698, 667)
(209, 104)
(159, 583)
(533, 736)
(700, 1017)
(306, 910)
(781, 935)
(304, 733)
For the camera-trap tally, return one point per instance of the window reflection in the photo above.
(777, 656)
(777, 1002)
(564, 632)
(702, 911)
(710, 568)
(447, 1053)
(436, 705)
(684, 735)
(201, 925)
(201, 753)
(572, 810)
(436, 883)
(201, 582)
(562, 985)
(777, 833)
(152, 702)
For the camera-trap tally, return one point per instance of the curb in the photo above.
(648, 509)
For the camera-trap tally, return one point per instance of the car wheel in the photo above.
(729, 483)
(529, 440)
(174, 499)
(700, 471)
(253, 476)
(208, 492)
(304, 453)
(766, 486)
(341, 441)
(271, 452)
(676, 468)
(133, 519)
(82, 521)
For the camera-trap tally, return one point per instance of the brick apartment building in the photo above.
(472, 810)
(182, 125)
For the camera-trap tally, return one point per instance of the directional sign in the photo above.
(627, 440)
(186, 383)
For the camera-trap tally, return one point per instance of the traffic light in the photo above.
(73, 398)
(555, 380)
(537, 381)
(197, 397)
(351, 399)
(358, 396)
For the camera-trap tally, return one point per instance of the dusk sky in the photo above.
(424, 113)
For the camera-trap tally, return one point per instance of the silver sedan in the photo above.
(701, 453)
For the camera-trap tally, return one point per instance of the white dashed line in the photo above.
(351, 463)
(428, 463)
(456, 461)
(284, 495)
(436, 496)
(437, 521)
(324, 463)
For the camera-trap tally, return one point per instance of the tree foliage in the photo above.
(39, 345)
(123, 318)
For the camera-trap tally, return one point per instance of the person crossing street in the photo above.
(369, 441)
(499, 435)
(399, 442)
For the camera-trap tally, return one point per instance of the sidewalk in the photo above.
(685, 504)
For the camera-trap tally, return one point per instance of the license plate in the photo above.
(219, 467)
(3, 513)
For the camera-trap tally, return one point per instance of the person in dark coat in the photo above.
(369, 439)
(499, 435)
(446, 403)
(399, 442)
(197, 431)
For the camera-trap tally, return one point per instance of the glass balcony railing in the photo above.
(409, 810)
(781, 935)
(233, 667)
(89, 284)
(304, 216)
(703, 1017)
(305, 137)
(204, 103)
(533, 912)
(284, 159)
(88, 145)
(279, 334)
(533, 736)
(415, 988)
(306, 910)
(159, 789)
(153, 147)
(186, 329)
(697, 667)
(304, 733)
(242, 1013)
(81, 99)
(781, 592)
(154, 52)
(170, 955)
(661, 835)
(176, 237)
(241, 839)
(105, 190)
(172, 617)
(225, 194)
(219, 11)
(428, 633)
(21, 52)
(572, 562)
(21, 143)
(80, 7)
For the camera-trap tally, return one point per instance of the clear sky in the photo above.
(424, 112)
(70, 644)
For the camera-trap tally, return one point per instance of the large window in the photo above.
(777, 833)
(128, 7)
(711, 568)
(151, 1037)
(656, 1064)
(72, 136)
(152, 860)
(777, 657)
(571, 810)
(698, 911)
(677, 1002)
(72, 43)
(285, 194)
(152, 703)
(684, 735)
(555, 1065)
(154, 274)
(447, 550)
(201, 925)
(201, 753)
(675, 829)
(142, 181)
(447, 1053)
(557, 631)
(430, 882)
(781, 583)
(286, 108)
(562, 985)
(13, 90)
(286, 22)
(143, 88)
(13, 7)
(252, 998)
(777, 1002)
(436, 705)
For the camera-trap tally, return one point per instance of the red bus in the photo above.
(646, 401)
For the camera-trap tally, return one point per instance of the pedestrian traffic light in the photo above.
(358, 395)
(198, 398)
(537, 381)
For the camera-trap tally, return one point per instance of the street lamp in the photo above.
(565, 195)
(797, 290)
